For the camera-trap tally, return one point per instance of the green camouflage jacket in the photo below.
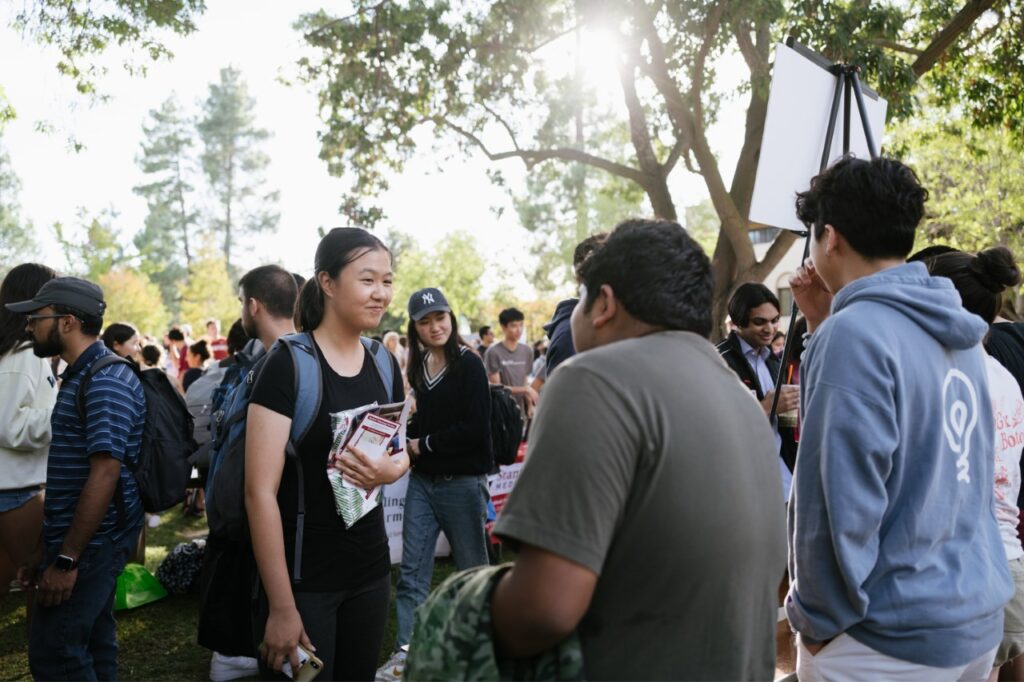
(451, 639)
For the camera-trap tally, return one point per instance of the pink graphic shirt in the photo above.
(1008, 411)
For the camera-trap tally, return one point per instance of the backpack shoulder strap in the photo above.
(101, 363)
(308, 395)
(382, 359)
(308, 383)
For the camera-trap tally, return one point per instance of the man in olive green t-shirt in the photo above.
(648, 516)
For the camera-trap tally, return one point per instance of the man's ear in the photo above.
(605, 307)
(253, 305)
(832, 241)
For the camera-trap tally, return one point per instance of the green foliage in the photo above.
(234, 163)
(17, 243)
(701, 221)
(976, 183)
(982, 72)
(94, 247)
(454, 265)
(484, 74)
(134, 299)
(82, 29)
(208, 292)
(7, 112)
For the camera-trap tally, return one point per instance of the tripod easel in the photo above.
(847, 82)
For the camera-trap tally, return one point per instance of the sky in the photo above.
(429, 199)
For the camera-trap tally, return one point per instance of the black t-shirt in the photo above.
(189, 377)
(1006, 344)
(333, 558)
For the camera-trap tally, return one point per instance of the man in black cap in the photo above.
(92, 511)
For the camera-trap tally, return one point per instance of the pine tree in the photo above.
(234, 163)
(166, 161)
(165, 242)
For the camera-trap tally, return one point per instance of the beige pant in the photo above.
(844, 658)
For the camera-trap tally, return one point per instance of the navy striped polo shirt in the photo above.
(115, 412)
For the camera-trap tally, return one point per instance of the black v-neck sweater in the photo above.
(453, 421)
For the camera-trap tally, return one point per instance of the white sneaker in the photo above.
(393, 669)
(223, 668)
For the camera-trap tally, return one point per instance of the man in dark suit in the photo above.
(754, 310)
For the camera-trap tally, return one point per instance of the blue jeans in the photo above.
(458, 506)
(77, 640)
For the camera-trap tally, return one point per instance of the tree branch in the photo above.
(505, 125)
(638, 132)
(893, 45)
(531, 157)
(551, 39)
(956, 27)
(673, 156)
(341, 20)
(776, 252)
(711, 25)
(732, 222)
(755, 62)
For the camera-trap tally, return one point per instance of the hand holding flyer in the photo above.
(375, 431)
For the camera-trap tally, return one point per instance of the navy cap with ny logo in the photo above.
(426, 301)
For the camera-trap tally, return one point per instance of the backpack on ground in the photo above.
(179, 571)
(506, 425)
(163, 468)
(225, 490)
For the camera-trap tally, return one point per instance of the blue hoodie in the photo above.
(893, 536)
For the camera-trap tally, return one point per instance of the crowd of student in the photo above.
(663, 481)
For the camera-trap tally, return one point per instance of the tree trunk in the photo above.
(228, 200)
(724, 268)
(661, 199)
(183, 218)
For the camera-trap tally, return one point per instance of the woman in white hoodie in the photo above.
(29, 391)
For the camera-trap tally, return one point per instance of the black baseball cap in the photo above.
(79, 295)
(426, 301)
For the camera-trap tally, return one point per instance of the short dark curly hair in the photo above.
(657, 271)
(876, 205)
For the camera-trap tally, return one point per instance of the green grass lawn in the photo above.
(157, 641)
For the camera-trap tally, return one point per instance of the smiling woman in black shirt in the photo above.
(449, 439)
(341, 603)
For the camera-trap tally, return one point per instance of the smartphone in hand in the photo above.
(309, 666)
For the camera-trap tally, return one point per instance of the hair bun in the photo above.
(996, 269)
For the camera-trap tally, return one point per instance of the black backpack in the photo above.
(506, 425)
(163, 469)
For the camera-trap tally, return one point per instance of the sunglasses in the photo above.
(33, 318)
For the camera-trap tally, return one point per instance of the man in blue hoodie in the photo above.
(896, 565)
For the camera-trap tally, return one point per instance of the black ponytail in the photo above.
(338, 248)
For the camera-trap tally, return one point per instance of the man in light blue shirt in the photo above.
(754, 310)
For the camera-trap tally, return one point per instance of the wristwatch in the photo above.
(65, 563)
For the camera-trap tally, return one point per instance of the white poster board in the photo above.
(799, 104)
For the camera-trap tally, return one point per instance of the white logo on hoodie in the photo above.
(959, 420)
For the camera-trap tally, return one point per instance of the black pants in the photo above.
(347, 628)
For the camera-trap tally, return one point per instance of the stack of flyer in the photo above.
(376, 431)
